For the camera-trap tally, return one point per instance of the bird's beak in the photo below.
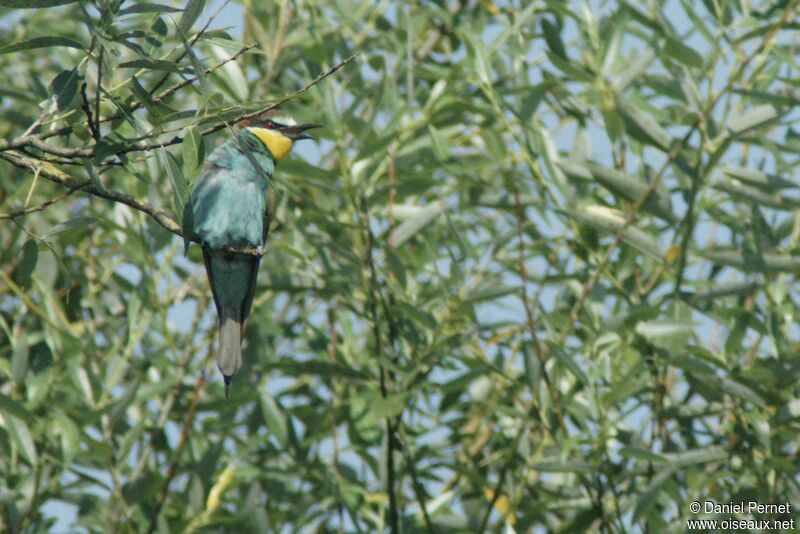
(295, 133)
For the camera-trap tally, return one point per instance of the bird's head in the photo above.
(278, 131)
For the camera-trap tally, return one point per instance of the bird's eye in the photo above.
(270, 124)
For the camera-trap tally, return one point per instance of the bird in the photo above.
(229, 204)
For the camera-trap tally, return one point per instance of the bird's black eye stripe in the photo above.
(274, 125)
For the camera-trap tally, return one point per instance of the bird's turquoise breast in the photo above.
(230, 198)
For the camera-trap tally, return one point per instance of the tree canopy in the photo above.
(539, 272)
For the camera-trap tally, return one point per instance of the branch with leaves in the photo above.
(14, 152)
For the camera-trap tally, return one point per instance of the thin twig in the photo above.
(419, 489)
(530, 319)
(672, 156)
(56, 175)
(36, 124)
(334, 341)
(501, 477)
(179, 448)
(87, 110)
(245, 116)
(185, 50)
(394, 520)
(38, 143)
(98, 90)
(23, 140)
(44, 205)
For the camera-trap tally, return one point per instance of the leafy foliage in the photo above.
(539, 272)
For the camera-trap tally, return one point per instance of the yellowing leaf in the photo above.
(503, 334)
(501, 504)
(489, 6)
(215, 495)
(673, 253)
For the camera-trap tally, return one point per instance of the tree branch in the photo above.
(44, 205)
(179, 448)
(90, 121)
(56, 175)
(178, 139)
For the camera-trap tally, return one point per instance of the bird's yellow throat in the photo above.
(278, 144)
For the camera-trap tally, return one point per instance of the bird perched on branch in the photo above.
(229, 208)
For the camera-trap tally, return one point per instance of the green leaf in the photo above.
(570, 68)
(568, 362)
(34, 4)
(532, 368)
(789, 410)
(643, 126)
(142, 488)
(192, 151)
(274, 418)
(612, 221)
(748, 262)
(11, 407)
(438, 144)
(147, 8)
(108, 145)
(388, 407)
(775, 99)
(695, 456)
(199, 69)
(180, 188)
(41, 42)
(417, 315)
(70, 436)
(683, 53)
(670, 334)
(642, 454)
(731, 387)
(648, 497)
(491, 292)
(635, 71)
(68, 226)
(553, 38)
(316, 367)
(20, 356)
(757, 178)
(753, 118)
(146, 98)
(665, 328)
(151, 64)
(751, 194)
(26, 265)
(192, 11)
(633, 189)
(64, 88)
(412, 226)
(480, 59)
(556, 466)
(21, 436)
(737, 389)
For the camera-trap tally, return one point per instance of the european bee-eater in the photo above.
(229, 203)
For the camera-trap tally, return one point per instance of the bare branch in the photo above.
(88, 111)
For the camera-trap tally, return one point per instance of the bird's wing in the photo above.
(248, 301)
(210, 273)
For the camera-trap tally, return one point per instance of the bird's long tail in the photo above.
(229, 357)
